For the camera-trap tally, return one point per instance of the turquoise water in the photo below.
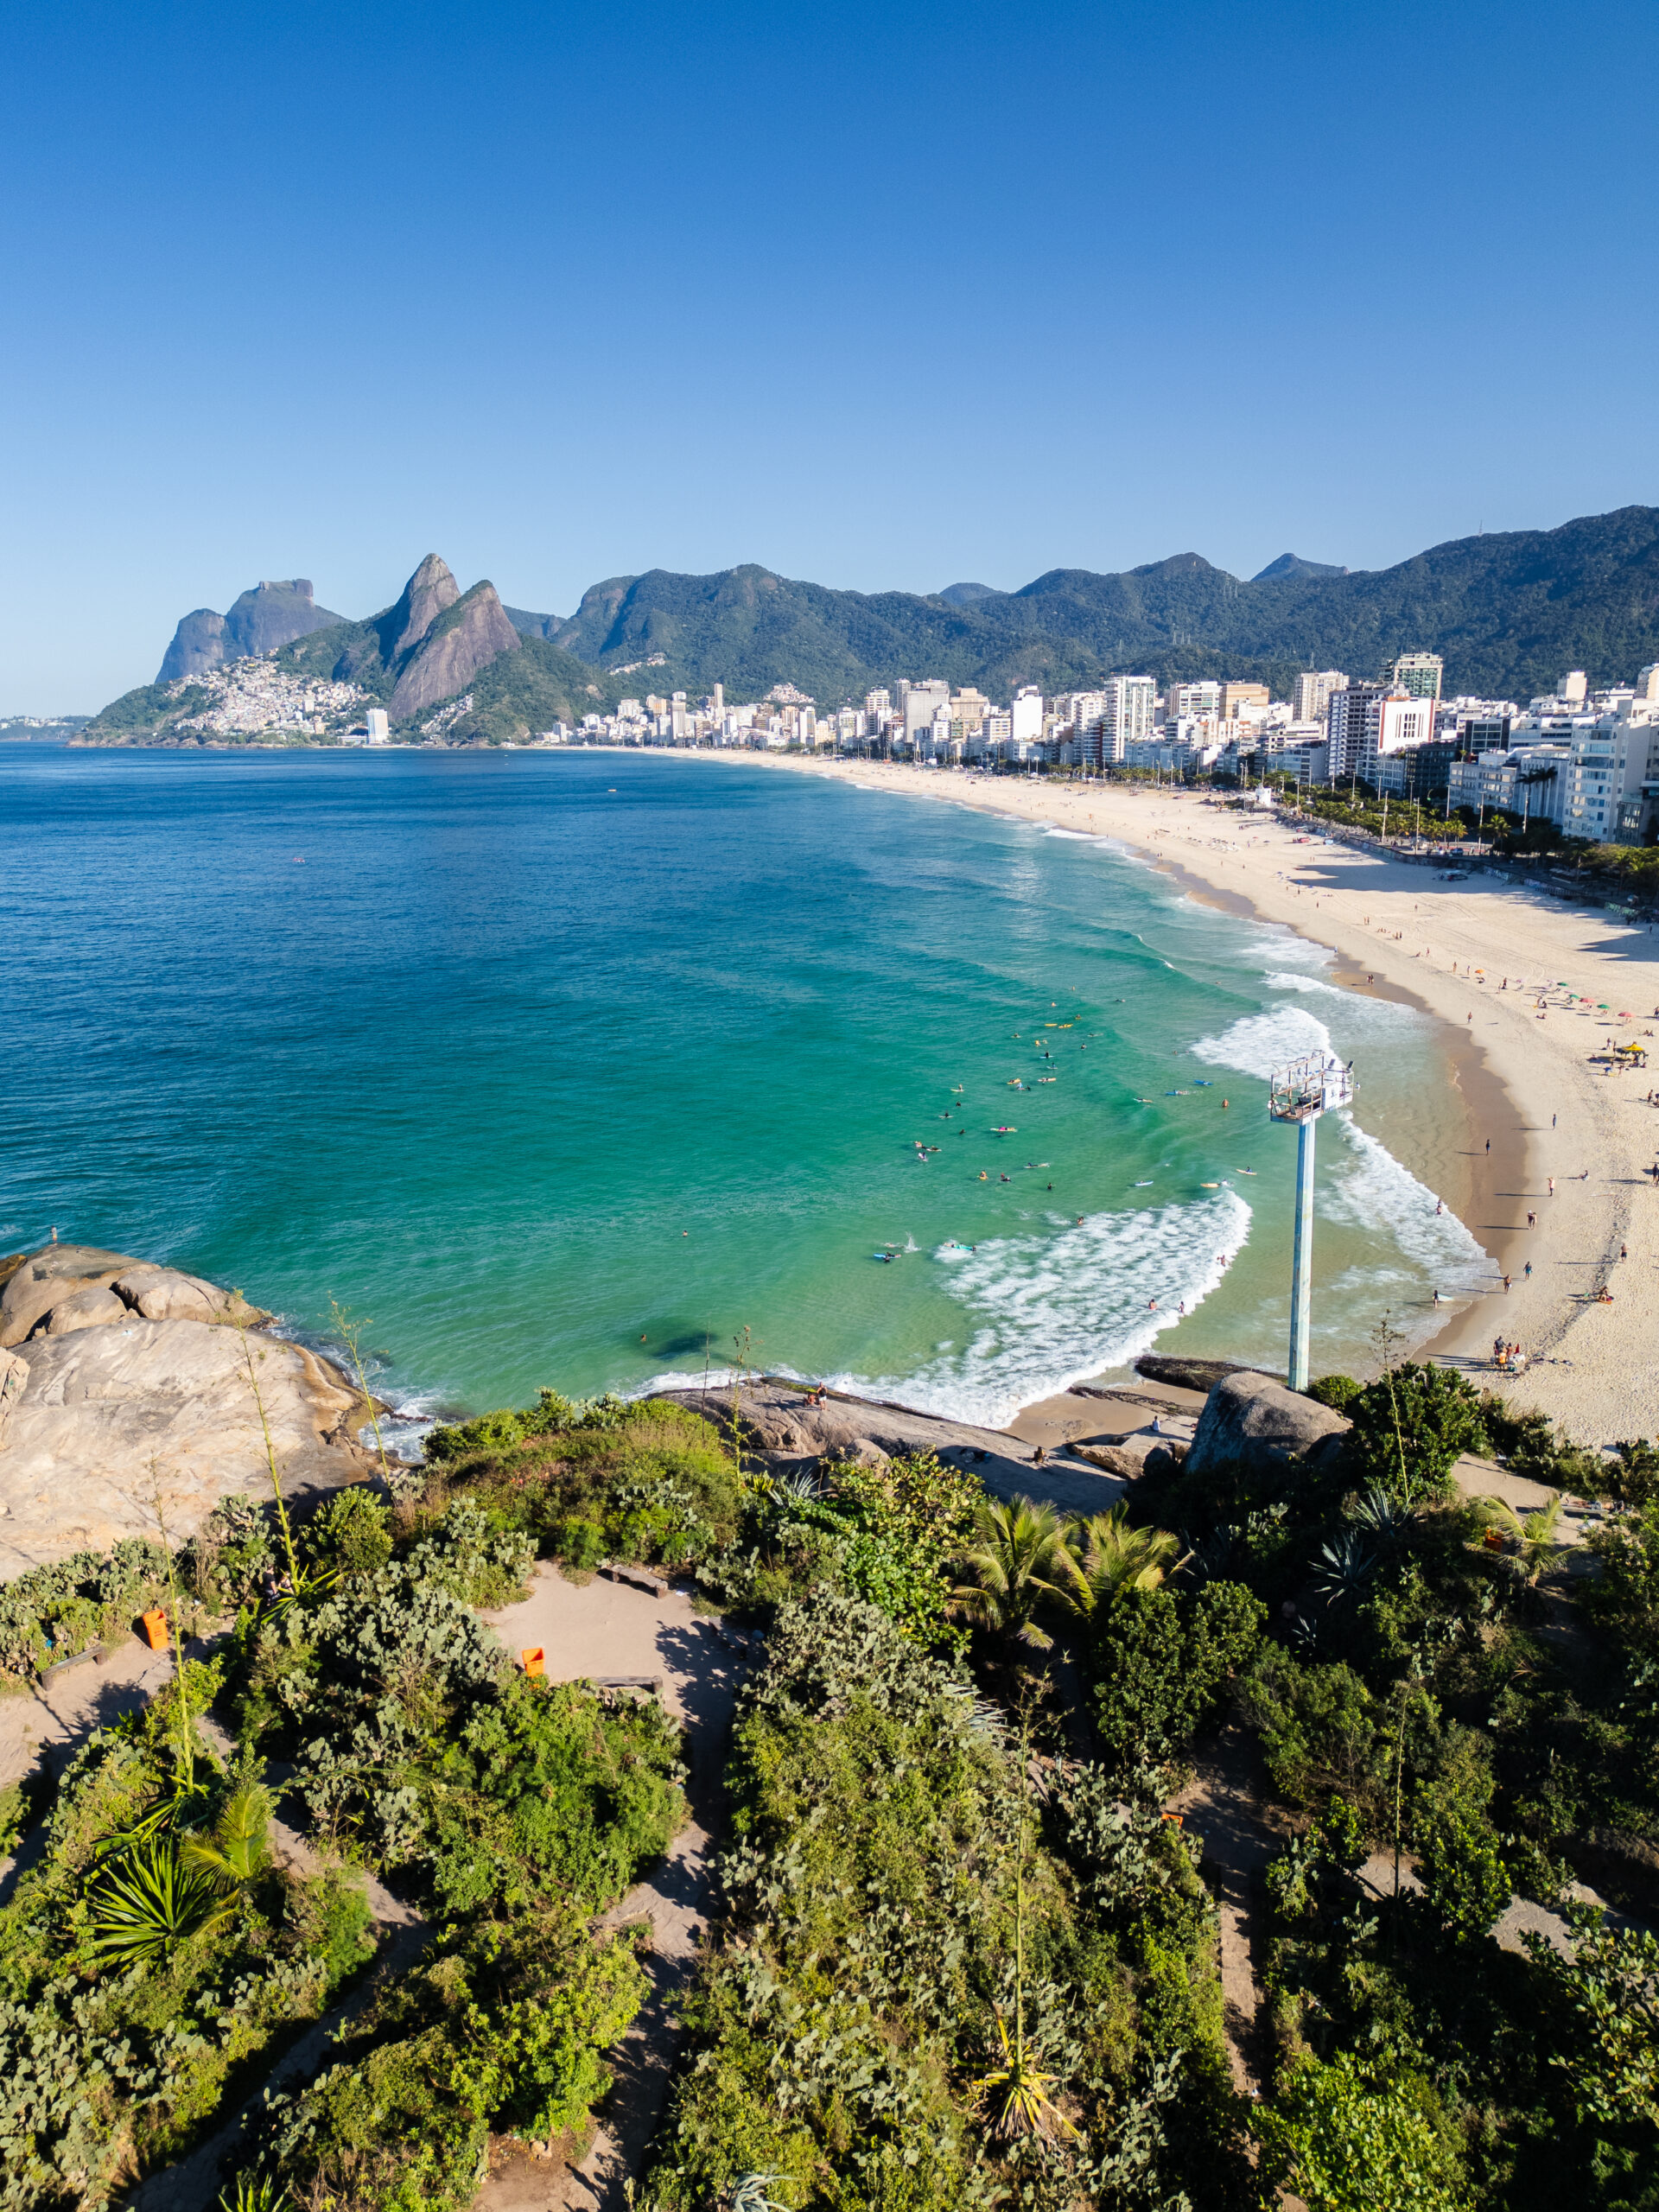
(567, 1069)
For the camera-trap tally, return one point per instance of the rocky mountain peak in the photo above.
(470, 632)
(431, 591)
(271, 615)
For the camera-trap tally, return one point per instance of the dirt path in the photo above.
(1226, 1804)
(617, 1629)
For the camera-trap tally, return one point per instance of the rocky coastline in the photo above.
(127, 1391)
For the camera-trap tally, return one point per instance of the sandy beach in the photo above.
(1495, 964)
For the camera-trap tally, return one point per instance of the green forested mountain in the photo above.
(1509, 612)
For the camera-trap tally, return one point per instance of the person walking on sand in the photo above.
(1528, 1270)
(1506, 1285)
(1552, 1186)
(1532, 1221)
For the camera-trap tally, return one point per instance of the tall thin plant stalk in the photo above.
(351, 1335)
(241, 1328)
(186, 1749)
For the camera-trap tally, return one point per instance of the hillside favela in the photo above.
(830, 1395)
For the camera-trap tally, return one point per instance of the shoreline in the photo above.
(1482, 959)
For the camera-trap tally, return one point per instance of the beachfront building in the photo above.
(1310, 694)
(1130, 708)
(1418, 675)
(1367, 722)
(1529, 782)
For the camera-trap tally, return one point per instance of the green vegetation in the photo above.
(1438, 1693)
(962, 1954)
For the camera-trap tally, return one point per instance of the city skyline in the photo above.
(885, 299)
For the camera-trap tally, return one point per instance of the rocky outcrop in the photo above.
(1253, 1423)
(132, 1388)
(1190, 1373)
(75, 1278)
(270, 615)
(474, 632)
(431, 591)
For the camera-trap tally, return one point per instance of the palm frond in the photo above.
(149, 1901)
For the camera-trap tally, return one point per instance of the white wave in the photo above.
(1047, 1312)
(1256, 1044)
(1369, 1189)
(1366, 1188)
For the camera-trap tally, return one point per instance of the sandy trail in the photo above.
(1487, 958)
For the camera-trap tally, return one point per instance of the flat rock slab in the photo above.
(109, 1415)
(781, 1425)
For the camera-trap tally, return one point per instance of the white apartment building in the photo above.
(1192, 702)
(1366, 722)
(1025, 716)
(1130, 711)
(1530, 781)
(1312, 696)
(921, 702)
(379, 727)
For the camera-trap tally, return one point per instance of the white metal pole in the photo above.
(1302, 1254)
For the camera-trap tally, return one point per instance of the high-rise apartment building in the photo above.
(1244, 702)
(1129, 708)
(1367, 722)
(1313, 691)
(1193, 702)
(1026, 718)
(1418, 675)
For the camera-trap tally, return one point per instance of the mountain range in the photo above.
(1509, 612)
(261, 620)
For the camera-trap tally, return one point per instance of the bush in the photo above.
(1337, 1391)
(1163, 1662)
(1409, 1427)
(1349, 2139)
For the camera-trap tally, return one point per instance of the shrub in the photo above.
(1409, 1427)
(351, 1533)
(1349, 2138)
(1163, 1662)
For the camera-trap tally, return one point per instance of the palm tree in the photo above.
(1110, 1557)
(1018, 1562)
(1532, 1534)
(235, 1852)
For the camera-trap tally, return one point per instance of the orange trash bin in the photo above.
(535, 1659)
(155, 1628)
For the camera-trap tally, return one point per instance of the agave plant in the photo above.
(235, 1852)
(1018, 1562)
(1018, 2092)
(148, 1902)
(1384, 1519)
(1343, 1568)
(254, 2193)
(751, 2195)
(1111, 1557)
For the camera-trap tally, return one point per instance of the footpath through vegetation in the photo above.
(964, 1949)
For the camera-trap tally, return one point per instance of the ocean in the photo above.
(581, 1069)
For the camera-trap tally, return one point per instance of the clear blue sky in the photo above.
(879, 295)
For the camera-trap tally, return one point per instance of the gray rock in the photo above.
(91, 1308)
(456, 646)
(14, 1373)
(41, 1279)
(1251, 1421)
(431, 591)
(108, 1415)
(273, 613)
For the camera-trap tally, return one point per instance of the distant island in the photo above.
(1506, 613)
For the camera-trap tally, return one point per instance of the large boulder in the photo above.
(91, 1308)
(166, 1294)
(75, 1279)
(1252, 1423)
(40, 1279)
(106, 1418)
